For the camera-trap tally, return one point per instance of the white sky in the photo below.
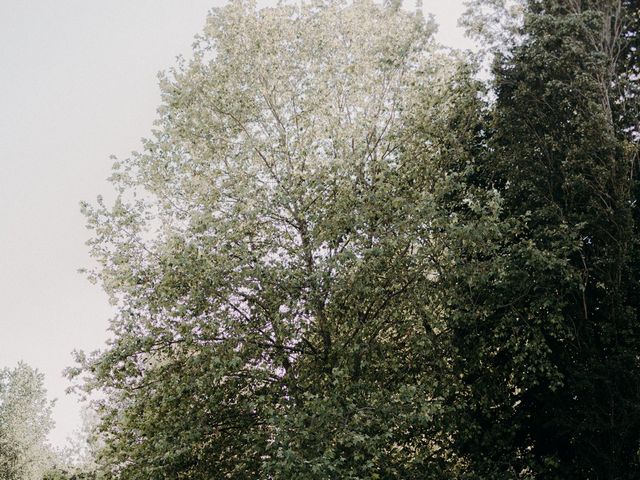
(78, 83)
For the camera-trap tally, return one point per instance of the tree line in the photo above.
(347, 253)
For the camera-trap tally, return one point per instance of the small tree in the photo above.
(25, 421)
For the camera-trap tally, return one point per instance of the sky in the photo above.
(78, 84)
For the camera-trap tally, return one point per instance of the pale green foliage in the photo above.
(275, 250)
(495, 24)
(25, 421)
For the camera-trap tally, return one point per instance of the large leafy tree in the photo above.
(25, 421)
(277, 248)
(553, 364)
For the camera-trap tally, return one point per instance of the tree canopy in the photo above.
(341, 255)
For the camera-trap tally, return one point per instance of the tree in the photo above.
(274, 255)
(559, 395)
(25, 421)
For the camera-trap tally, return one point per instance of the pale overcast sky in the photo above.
(78, 84)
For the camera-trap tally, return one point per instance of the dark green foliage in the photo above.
(553, 363)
